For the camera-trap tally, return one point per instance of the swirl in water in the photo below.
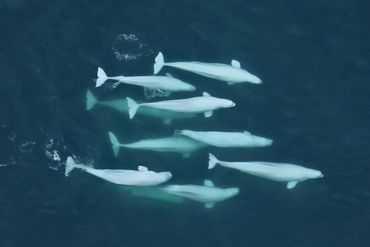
(128, 47)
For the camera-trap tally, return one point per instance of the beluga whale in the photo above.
(232, 73)
(121, 106)
(226, 139)
(173, 144)
(166, 84)
(141, 177)
(202, 104)
(281, 172)
(207, 194)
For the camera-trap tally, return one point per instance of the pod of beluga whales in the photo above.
(143, 182)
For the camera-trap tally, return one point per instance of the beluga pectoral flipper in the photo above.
(281, 172)
(232, 73)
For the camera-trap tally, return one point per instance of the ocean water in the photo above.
(313, 57)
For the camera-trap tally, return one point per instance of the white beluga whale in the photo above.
(281, 172)
(141, 177)
(173, 144)
(230, 73)
(121, 106)
(202, 104)
(207, 194)
(226, 139)
(166, 84)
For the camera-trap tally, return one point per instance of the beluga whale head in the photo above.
(221, 103)
(232, 192)
(164, 176)
(155, 178)
(227, 103)
(188, 87)
(257, 140)
(312, 173)
(248, 77)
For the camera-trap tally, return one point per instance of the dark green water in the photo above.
(313, 57)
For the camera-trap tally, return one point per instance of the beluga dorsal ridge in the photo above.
(166, 84)
(207, 193)
(226, 139)
(205, 104)
(232, 74)
(141, 177)
(281, 172)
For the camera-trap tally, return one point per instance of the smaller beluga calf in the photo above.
(166, 84)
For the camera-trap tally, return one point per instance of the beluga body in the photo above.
(226, 139)
(202, 104)
(173, 144)
(166, 84)
(207, 194)
(141, 177)
(281, 172)
(231, 74)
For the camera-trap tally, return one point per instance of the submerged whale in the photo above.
(207, 194)
(121, 106)
(230, 73)
(281, 172)
(226, 139)
(175, 144)
(118, 104)
(154, 193)
(202, 104)
(165, 83)
(141, 177)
